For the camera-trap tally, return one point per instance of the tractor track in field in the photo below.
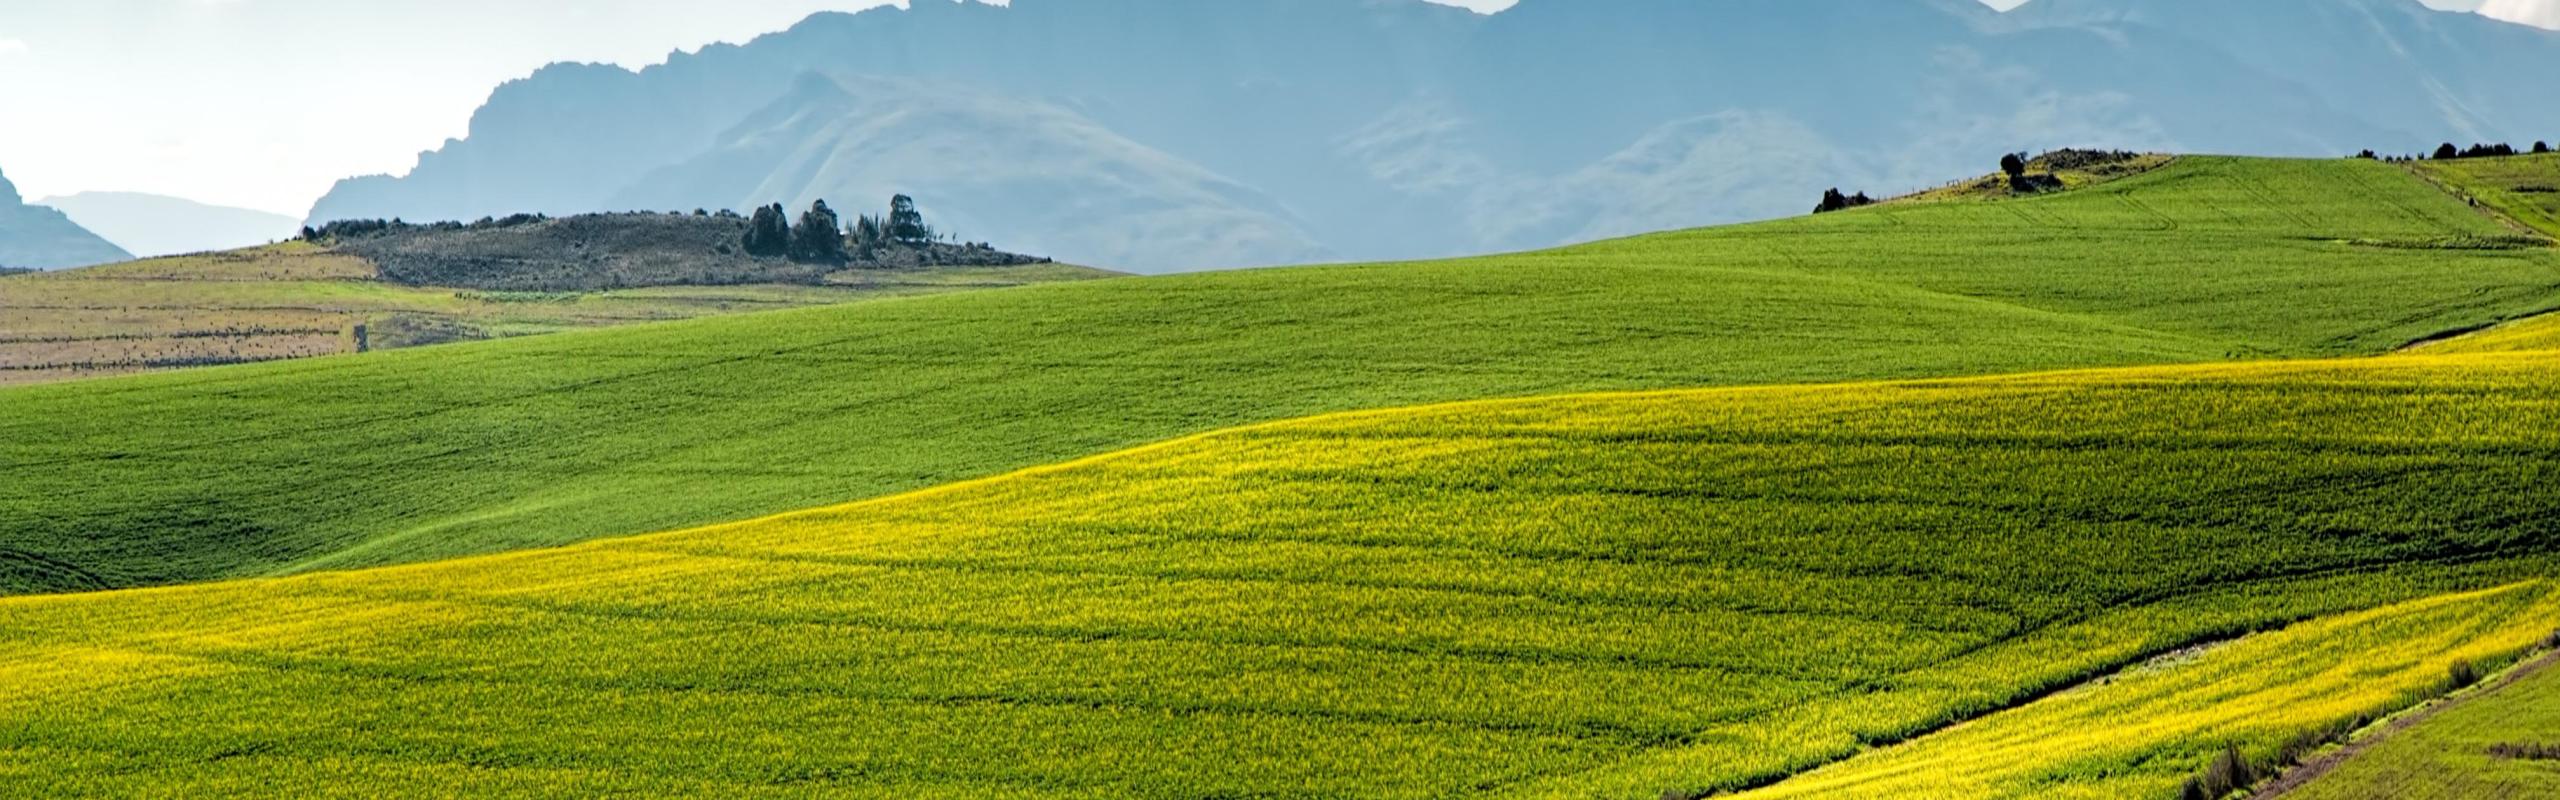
(2303, 775)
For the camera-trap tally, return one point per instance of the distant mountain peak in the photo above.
(40, 237)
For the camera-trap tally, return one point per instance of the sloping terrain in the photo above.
(2149, 730)
(2503, 742)
(416, 455)
(296, 300)
(2525, 188)
(1587, 596)
(36, 237)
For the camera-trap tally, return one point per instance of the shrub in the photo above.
(2464, 674)
(2526, 752)
(2081, 158)
(2229, 772)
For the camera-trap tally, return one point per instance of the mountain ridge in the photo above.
(38, 237)
(1389, 130)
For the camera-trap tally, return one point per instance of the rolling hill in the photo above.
(348, 462)
(408, 286)
(1801, 589)
(36, 237)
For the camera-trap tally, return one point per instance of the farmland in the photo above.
(2504, 742)
(296, 300)
(1581, 596)
(422, 454)
(2524, 188)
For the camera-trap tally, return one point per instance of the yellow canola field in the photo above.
(1586, 596)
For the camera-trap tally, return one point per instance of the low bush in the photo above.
(2463, 675)
(2526, 752)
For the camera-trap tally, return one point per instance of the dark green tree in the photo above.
(906, 225)
(768, 232)
(2540, 148)
(2447, 152)
(819, 236)
(2014, 166)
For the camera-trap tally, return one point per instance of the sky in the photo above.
(265, 103)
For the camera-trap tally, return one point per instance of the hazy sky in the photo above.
(264, 103)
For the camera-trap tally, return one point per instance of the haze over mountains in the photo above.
(153, 225)
(1175, 134)
(42, 238)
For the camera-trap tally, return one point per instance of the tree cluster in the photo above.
(2446, 151)
(821, 235)
(2449, 152)
(1833, 200)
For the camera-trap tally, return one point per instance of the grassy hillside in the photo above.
(407, 456)
(2059, 170)
(2503, 743)
(2525, 188)
(2148, 730)
(1583, 596)
(2531, 333)
(295, 300)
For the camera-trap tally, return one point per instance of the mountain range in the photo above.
(1163, 135)
(43, 238)
(155, 225)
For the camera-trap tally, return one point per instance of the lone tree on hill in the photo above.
(819, 237)
(2013, 165)
(768, 232)
(2540, 148)
(906, 225)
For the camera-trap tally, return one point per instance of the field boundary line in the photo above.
(2302, 775)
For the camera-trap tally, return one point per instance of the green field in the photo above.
(297, 300)
(437, 452)
(2525, 188)
(2458, 753)
(1583, 596)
